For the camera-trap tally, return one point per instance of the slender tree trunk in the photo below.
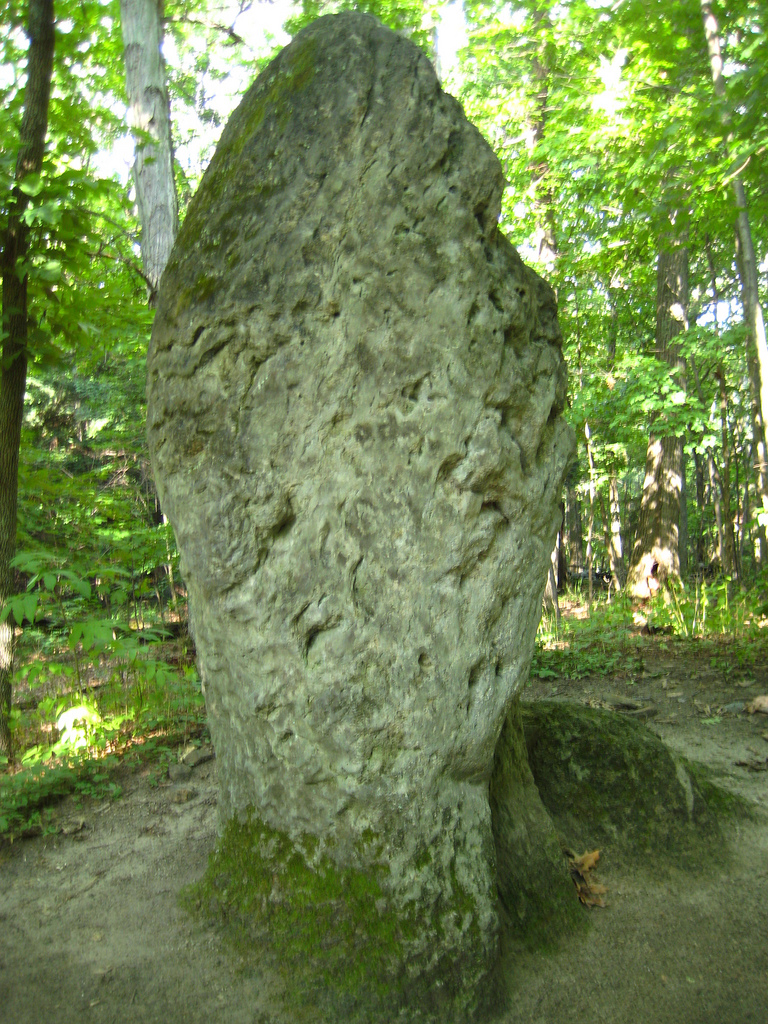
(546, 231)
(656, 554)
(573, 531)
(13, 367)
(682, 544)
(700, 505)
(757, 347)
(714, 486)
(744, 522)
(729, 540)
(150, 119)
(541, 73)
(614, 542)
(592, 492)
(149, 115)
(615, 547)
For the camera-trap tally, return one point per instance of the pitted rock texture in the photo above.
(355, 390)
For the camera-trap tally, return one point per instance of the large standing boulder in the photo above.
(355, 395)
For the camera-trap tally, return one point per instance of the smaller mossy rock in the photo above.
(535, 888)
(610, 782)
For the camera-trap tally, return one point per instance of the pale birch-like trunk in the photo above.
(149, 114)
(149, 117)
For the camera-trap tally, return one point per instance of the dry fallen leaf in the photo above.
(586, 861)
(758, 704)
(589, 891)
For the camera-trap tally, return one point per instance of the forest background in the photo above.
(632, 134)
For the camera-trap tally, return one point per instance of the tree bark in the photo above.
(573, 531)
(715, 490)
(729, 540)
(149, 116)
(13, 367)
(656, 554)
(615, 546)
(700, 505)
(757, 347)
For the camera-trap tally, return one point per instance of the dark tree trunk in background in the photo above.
(13, 367)
(657, 548)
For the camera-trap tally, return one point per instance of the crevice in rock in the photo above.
(211, 353)
(425, 663)
(494, 506)
(447, 466)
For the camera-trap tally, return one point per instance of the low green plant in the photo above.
(106, 686)
(601, 645)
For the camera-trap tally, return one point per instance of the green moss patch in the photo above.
(331, 932)
(610, 782)
(325, 928)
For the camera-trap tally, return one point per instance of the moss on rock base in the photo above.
(334, 934)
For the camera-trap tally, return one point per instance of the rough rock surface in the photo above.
(609, 781)
(355, 390)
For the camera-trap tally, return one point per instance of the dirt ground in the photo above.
(90, 929)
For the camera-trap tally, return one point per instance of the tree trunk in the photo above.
(757, 348)
(615, 547)
(541, 67)
(700, 505)
(656, 554)
(591, 530)
(150, 113)
(149, 116)
(729, 540)
(744, 522)
(13, 367)
(573, 531)
(682, 543)
(715, 489)
(562, 563)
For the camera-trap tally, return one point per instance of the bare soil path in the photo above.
(91, 931)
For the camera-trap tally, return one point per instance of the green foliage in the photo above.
(98, 675)
(601, 645)
(713, 609)
(728, 623)
(84, 736)
(606, 124)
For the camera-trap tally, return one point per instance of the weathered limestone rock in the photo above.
(355, 394)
